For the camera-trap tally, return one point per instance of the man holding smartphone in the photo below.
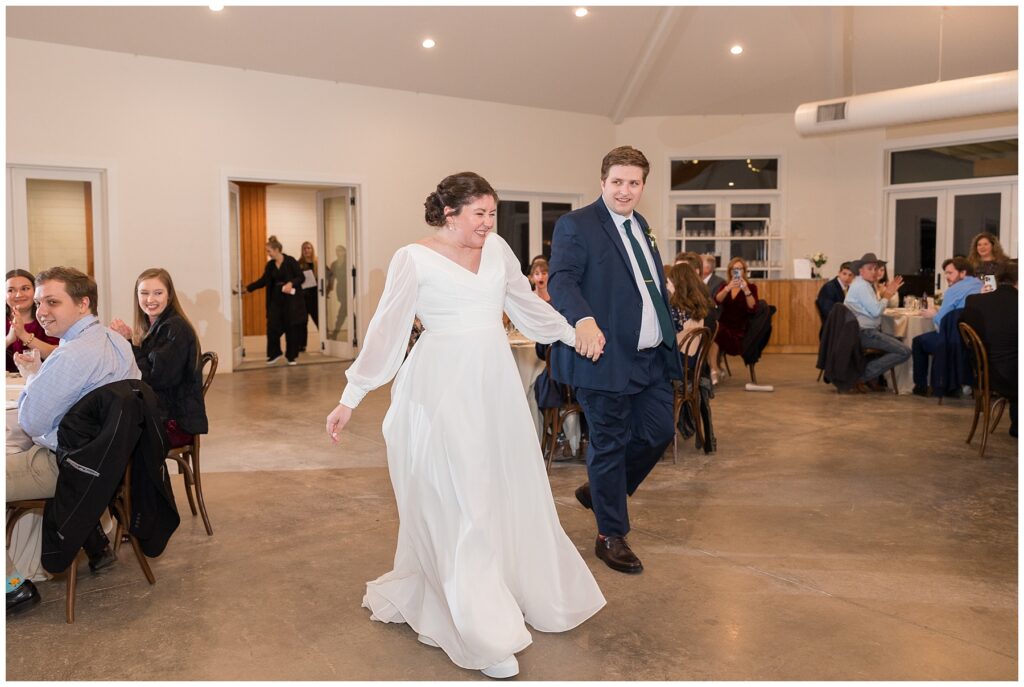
(961, 283)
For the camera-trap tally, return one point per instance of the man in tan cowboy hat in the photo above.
(863, 302)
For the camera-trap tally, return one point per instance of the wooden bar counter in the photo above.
(796, 322)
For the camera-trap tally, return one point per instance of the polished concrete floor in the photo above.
(830, 537)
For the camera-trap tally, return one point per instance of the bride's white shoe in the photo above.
(507, 668)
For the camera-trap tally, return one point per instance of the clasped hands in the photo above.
(589, 339)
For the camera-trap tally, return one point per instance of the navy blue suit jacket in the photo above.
(591, 276)
(830, 294)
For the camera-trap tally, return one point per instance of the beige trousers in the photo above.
(31, 474)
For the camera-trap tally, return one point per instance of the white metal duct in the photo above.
(941, 100)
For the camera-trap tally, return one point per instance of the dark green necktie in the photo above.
(664, 321)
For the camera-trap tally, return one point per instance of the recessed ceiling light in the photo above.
(736, 49)
(581, 12)
(216, 8)
(731, 184)
(429, 43)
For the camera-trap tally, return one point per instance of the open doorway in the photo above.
(317, 224)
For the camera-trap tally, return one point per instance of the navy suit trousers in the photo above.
(629, 432)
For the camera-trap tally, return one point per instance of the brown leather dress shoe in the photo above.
(875, 386)
(583, 496)
(617, 555)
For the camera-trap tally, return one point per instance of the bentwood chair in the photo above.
(985, 400)
(187, 457)
(687, 392)
(120, 508)
(554, 418)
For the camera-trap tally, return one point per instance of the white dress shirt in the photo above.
(650, 333)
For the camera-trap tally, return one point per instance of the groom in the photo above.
(606, 278)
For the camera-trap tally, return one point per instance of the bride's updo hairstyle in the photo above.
(455, 191)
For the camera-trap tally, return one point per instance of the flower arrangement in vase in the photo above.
(818, 260)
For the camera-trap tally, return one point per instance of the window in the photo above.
(729, 227)
(527, 222)
(959, 161)
(740, 174)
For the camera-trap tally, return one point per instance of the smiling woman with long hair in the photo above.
(24, 333)
(986, 256)
(167, 352)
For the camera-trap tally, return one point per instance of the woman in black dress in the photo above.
(167, 351)
(286, 308)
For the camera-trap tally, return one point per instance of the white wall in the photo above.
(291, 217)
(169, 132)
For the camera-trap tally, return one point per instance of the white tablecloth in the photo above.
(530, 366)
(905, 325)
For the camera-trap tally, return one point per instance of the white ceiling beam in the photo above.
(840, 58)
(652, 51)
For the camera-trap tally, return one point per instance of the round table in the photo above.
(905, 324)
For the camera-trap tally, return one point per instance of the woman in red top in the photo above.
(737, 300)
(23, 331)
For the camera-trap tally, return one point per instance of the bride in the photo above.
(480, 549)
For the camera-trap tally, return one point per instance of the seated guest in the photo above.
(881, 284)
(690, 258)
(986, 256)
(23, 331)
(737, 300)
(713, 281)
(834, 291)
(167, 352)
(865, 303)
(689, 303)
(961, 283)
(993, 316)
(89, 356)
(539, 278)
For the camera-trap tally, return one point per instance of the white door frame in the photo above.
(17, 214)
(228, 175)
(237, 288)
(345, 350)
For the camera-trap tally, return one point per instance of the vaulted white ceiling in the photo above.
(617, 61)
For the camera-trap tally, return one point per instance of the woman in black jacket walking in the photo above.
(167, 352)
(286, 309)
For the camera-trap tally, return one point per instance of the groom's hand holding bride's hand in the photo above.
(589, 339)
(337, 420)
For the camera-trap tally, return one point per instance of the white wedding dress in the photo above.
(480, 548)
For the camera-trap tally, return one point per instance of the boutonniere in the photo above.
(650, 237)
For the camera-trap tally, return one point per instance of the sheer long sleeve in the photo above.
(388, 334)
(532, 316)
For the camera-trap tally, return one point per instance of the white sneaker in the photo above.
(507, 668)
(428, 641)
(271, 361)
(714, 377)
(292, 362)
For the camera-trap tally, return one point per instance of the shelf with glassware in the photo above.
(755, 239)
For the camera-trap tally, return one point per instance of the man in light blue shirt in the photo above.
(89, 356)
(867, 306)
(962, 283)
